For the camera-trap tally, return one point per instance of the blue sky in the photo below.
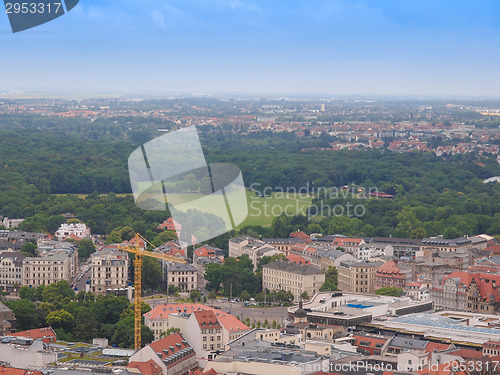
(329, 47)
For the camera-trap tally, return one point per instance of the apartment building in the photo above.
(163, 317)
(460, 244)
(204, 333)
(182, 275)
(293, 277)
(109, 270)
(47, 247)
(47, 270)
(10, 223)
(283, 244)
(172, 354)
(11, 269)
(309, 253)
(397, 247)
(466, 291)
(256, 251)
(391, 275)
(357, 277)
(332, 257)
(236, 245)
(349, 244)
(205, 255)
(77, 231)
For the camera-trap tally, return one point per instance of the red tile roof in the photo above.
(343, 241)
(441, 369)
(484, 281)
(170, 345)
(204, 252)
(170, 224)
(390, 269)
(468, 353)
(207, 319)
(294, 258)
(146, 368)
(199, 372)
(369, 343)
(230, 322)
(73, 236)
(429, 348)
(301, 235)
(17, 371)
(47, 334)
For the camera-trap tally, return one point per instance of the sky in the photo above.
(326, 47)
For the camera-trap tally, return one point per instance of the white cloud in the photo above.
(158, 19)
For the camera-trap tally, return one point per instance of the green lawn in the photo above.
(261, 211)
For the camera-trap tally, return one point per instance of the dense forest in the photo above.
(432, 195)
(78, 317)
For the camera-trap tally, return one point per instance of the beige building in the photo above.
(109, 270)
(163, 317)
(11, 269)
(182, 275)
(47, 270)
(236, 245)
(357, 277)
(257, 251)
(283, 244)
(293, 277)
(447, 245)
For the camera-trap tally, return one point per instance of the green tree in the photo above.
(123, 334)
(86, 327)
(331, 280)
(25, 292)
(195, 296)
(58, 293)
(151, 273)
(25, 312)
(60, 319)
(418, 233)
(305, 296)
(130, 310)
(29, 249)
(451, 232)
(245, 296)
(389, 291)
(212, 295)
(85, 248)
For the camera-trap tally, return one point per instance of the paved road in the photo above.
(85, 273)
(238, 309)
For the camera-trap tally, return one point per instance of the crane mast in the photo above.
(139, 254)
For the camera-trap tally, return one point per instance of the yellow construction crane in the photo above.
(139, 253)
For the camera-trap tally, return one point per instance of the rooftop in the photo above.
(303, 269)
(230, 322)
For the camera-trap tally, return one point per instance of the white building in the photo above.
(78, 230)
(19, 354)
(163, 317)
